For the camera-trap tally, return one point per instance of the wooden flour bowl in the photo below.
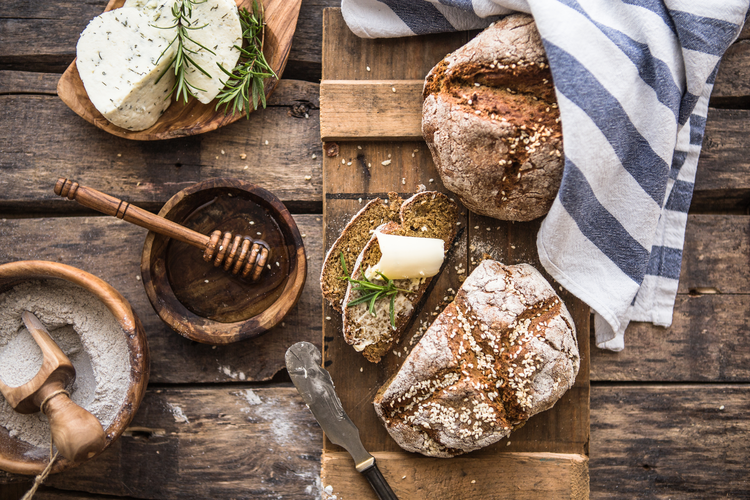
(205, 303)
(20, 457)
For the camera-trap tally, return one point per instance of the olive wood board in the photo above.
(366, 166)
(191, 118)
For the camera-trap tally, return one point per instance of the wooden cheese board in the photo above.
(194, 117)
(370, 123)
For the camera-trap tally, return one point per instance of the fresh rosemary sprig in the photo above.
(182, 11)
(244, 85)
(371, 292)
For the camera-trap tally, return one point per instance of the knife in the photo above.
(314, 383)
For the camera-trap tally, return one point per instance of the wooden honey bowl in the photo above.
(204, 303)
(20, 457)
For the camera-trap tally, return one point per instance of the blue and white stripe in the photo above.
(633, 79)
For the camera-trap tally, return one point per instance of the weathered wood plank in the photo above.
(709, 340)
(90, 244)
(376, 110)
(686, 442)
(405, 64)
(715, 257)
(41, 36)
(733, 78)
(305, 56)
(26, 82)
(277, 148)
(197, 443)
(646, 442)
(511, 475)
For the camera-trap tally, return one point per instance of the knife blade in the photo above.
(314, 383)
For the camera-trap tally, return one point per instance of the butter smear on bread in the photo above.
(406, 257)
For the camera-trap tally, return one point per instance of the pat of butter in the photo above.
(407, 257)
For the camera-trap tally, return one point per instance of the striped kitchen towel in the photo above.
(633, 79)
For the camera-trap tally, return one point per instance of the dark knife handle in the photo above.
(378, 483)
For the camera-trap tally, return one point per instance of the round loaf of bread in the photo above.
(505, 349)
(491, 121)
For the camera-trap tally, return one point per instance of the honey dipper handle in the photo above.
(110, 205)
(77, 434)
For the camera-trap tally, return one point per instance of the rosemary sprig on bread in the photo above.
(371, 291)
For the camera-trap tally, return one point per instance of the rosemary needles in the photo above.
(244, 86)
(182, 11)
(371, 291)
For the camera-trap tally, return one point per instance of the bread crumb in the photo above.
(243, 156)
(393, 89)
(386, 163)
(368, 68)
(308, 177)
(314, 156)
(266, 143)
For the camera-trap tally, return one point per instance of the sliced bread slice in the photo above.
(352, 240)
(427, 214)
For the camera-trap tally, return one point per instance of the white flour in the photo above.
(87, 333)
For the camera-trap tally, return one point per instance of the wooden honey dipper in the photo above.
(77, 434)
(234, 252)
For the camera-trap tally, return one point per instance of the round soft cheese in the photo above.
(120, 57)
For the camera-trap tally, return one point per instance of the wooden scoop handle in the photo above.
(77, 434)
(233, 252)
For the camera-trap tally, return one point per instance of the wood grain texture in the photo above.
(277, 148)
(198, 443)
(648, 441)
(89, 244)
(385, 110)
(734, 73)
(511, 475)
(680, 441)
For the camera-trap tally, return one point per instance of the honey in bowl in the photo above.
(210, 304)
(212, 292)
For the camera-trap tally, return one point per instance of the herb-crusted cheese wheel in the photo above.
(119, 59)
(220, 33)
(505, 349)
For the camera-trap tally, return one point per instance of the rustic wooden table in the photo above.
(669, 415)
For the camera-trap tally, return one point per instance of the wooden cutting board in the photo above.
(370, 116)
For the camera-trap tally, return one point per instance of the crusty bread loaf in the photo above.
(351, 241)
(491, 122)
(428, 214)
(502, 351)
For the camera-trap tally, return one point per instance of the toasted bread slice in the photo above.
(427, 214)
(352, 240)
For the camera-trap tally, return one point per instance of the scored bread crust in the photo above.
(351, 241)
(505, 349)
(374, 335)
(491, 122)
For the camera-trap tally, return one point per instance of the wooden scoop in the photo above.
(233, 251)
(77, 434)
